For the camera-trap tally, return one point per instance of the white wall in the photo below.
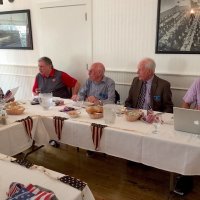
(21, 57)
(124, 31)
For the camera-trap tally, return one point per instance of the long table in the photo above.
(168, 150)
(37, 175)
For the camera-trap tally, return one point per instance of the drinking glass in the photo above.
(45, 100)
(109, 113)
(119, 109)
(157, 121)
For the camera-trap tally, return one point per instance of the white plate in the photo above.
(86, 103)
(82, 104)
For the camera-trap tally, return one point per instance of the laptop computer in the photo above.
(187, 120)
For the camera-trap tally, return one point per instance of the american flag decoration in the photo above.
(152, 117)
(18, 191)
(7, 95)
(14, 187)
(23, 162)
(28, 125)
(58, 124)
(97, 131)
(74, 182)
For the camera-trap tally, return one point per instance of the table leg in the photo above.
(171, 181)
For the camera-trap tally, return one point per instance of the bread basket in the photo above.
(14, 108)
(95, 112)
(96, 115)
(133, 115)
(12, 111)
(94, 109)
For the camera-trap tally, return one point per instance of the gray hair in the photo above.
(149, 63)
(46, 60)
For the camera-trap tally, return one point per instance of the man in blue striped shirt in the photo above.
(98, 88)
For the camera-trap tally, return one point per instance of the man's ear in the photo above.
(151, 72)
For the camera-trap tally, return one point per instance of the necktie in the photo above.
(142, 95)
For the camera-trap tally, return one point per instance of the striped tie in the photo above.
(142, 95)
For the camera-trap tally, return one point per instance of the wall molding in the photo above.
(158, 73)
(13, 74)
(173, 88)
(19, 66)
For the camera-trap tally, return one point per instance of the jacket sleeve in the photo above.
(129, 100)
(167, 99)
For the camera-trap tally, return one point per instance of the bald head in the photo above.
(96, 72)
(146, 69)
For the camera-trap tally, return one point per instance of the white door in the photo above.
(64, 37)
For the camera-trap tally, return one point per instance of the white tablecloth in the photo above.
(169, 150)
(14, 139)
(11, 172)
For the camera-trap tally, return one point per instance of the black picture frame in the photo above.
(15, 30)
(178, 27)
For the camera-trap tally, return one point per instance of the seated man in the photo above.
(149, 91)
(192, 96)
(184, 184)
(52, 80)
(98, 89)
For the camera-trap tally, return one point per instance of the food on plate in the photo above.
(59, 102)
(67, 109)
(74, 113)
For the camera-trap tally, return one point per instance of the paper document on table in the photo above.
(10, 94)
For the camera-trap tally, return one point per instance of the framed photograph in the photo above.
(178, 26)
(15, 30)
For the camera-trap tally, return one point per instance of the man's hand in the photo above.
(93, 99)
(75, 97)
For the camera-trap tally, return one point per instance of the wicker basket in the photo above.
(15, 111)
(96, 115)
(133, 115)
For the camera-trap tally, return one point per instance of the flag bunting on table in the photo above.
(74, 182)
(23, 162)
(58, 124)
(97, 131)
(28, 125)
(18, 191)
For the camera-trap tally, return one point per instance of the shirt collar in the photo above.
(51, 73)
(104, 79)
(150, 80)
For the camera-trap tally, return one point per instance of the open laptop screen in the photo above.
(187, 120)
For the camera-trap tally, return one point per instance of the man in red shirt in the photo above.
(52, 80)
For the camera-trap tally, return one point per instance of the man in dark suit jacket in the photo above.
(158, 95)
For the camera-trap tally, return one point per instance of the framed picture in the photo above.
(178, 26)
(15, 30)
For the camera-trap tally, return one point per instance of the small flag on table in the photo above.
(97, 131)
(58, 124)
(28, 125)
